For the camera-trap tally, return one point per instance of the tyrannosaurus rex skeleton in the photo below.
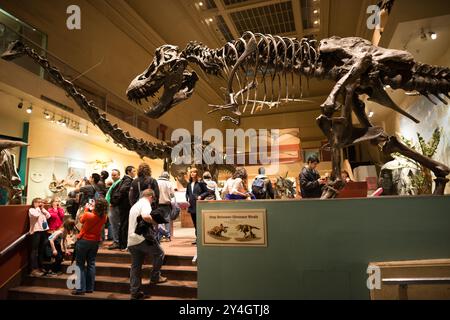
(265, 66)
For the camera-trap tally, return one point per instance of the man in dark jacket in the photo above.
(310, 181)
(144, 181)
(124, 205)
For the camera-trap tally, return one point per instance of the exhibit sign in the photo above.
(234, 228)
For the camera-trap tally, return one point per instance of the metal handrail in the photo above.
(13, 245)
(407, 281)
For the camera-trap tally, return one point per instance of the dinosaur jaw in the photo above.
(14, 50)
(177, 88)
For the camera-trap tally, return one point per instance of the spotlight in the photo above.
(30, 109)
(433, 35)
(20, 104)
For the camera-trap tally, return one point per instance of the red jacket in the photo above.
(92, 226)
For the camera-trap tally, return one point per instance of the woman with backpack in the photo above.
(86, 248)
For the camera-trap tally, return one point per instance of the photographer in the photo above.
(93, 220)
(139, 247)
(90, 189)
(38, 230)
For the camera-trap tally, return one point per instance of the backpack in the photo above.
(259, 188)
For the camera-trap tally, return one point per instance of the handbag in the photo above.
(158, 216)
(175, 212)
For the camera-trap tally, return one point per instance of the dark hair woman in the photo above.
(87, 245)
(144, 181)
(38, 231)
(196, 190)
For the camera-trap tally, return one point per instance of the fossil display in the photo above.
(9, 178)
(261, 69)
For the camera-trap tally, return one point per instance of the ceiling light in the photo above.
(210, 19)
(433, 35)
(30, 109)
(200, 4)
(316, 22)
(316, 11)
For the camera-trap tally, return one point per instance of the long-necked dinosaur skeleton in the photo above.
(142, 148)
(263, 68)
(256, 60)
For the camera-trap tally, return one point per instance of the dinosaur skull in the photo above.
(167, 69)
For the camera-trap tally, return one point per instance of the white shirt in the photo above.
(37, 218)
(165, 191)
(140, 208)
(228, 187)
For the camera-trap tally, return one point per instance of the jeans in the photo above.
(114, 222)
(163, 232)
(86, 251)
(38, 246)
(59, 258)
(123, 230)
(138, 253)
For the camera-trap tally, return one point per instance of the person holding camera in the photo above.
(311, 183)
(86, 247)
(139, 247)
(38, 231)
(56, 215)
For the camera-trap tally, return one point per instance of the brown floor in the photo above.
(177, 247)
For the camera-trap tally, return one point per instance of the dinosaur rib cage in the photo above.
(261, 69)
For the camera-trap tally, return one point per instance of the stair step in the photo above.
(115, 256)
(171, 288)
(45, 293)
(123, 270)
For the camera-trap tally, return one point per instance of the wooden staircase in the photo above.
(112, 280)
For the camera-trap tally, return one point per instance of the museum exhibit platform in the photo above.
(320, 249)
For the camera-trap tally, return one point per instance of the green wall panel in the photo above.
(320, 249)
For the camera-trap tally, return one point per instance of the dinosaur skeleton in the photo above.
(353, 63)
(258, 65)
(141, 147)
(9, 178)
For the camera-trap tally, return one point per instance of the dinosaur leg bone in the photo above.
(440, 170)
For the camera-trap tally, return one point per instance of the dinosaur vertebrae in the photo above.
(257, 58)
(141, 147)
